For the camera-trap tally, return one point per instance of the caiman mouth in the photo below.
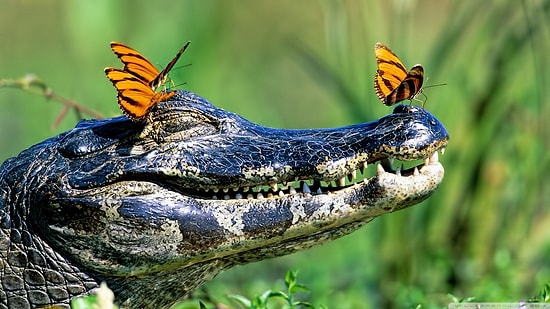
(356, 177)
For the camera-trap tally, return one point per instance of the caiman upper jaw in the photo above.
(316, 187)
(208, 153)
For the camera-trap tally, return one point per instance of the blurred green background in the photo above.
(303, 64)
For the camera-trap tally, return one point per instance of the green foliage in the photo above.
(261, 301)
(104, 300)
(454, 299)
(543, 296)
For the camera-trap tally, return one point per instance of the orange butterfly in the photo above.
(392, 82)
(138, 81)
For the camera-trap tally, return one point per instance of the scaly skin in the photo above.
(158, 208)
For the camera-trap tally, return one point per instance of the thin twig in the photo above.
(32, 84)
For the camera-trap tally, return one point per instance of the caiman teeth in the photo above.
(379, 169)
(342, 182)
(434, 158)
(352, 176)
(317, 186)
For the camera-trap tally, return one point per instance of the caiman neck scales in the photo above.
(155, 209)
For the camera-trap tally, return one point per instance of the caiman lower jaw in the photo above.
(417, 174)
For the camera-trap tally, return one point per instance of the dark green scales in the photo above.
(155, 209)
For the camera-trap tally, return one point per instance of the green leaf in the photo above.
(545, 293)
(263, 299)
(303, 304)
(455, 299)
(290, 278)
(245, 302)
(296, 288)
(278, 294)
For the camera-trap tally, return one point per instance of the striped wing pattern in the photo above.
(135, 97)
(134, 62)
(138, 81)
(392, 82)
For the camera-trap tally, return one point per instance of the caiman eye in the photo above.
(182, 125)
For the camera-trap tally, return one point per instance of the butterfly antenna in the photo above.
(177, 68)
(436, 85)
(429, 86)
(182, 66)
(175, 86)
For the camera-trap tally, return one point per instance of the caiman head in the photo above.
(157, 208)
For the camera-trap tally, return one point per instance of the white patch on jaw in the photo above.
(298, 212)
(230, 218)
(334, 207)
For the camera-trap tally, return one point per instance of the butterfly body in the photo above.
(392, 82)
(138, 81)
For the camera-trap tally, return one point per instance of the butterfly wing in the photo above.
(137, 81)
(408, 88)
(161, 77)
(391, 74)
(134, 62)
(135, 97)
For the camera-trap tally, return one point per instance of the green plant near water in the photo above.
(288, 296)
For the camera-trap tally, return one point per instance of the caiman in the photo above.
(156, 208)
